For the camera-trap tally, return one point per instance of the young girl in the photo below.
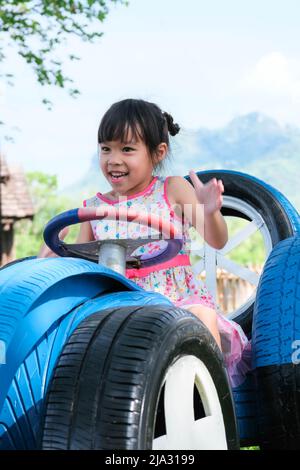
(133, 142)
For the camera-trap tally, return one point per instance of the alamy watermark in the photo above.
(296, 353)
(127, 224)
(2, 352)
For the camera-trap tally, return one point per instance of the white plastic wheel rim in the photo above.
(211, 259)
(182, 431)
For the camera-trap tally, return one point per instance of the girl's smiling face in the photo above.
(127, 166)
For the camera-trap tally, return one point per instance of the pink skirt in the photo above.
(236, 347)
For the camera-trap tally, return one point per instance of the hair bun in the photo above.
(172, 127)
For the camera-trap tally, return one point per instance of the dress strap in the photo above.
(133, 196)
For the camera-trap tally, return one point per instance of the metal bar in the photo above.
(113, 256)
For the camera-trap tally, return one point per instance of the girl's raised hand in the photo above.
(209, 194)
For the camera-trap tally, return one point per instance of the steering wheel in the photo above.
(121, 249)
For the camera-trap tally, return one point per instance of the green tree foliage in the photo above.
(47, 203)
(251, 250)
(38, 27)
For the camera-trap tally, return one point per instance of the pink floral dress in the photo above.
(175, 278)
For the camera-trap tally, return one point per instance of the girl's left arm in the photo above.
(201, 205)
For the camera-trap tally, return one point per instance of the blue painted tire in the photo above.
(41, 301)
(19, 260)
(276, 347)
(281, 218)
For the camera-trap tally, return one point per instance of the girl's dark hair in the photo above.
(145, 120)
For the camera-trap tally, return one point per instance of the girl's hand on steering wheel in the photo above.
(45, 251)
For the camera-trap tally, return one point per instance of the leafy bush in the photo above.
(47, 203)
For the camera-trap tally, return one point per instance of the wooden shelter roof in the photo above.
(16, 202)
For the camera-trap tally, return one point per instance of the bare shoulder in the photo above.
(179, 189)
(110, 195)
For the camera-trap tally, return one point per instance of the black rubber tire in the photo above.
(281, 218)
(276, 334)
(105, 387)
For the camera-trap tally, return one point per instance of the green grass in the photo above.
(250, 448)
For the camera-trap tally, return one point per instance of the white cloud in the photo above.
(274, 74)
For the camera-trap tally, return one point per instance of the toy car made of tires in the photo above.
(89, 360)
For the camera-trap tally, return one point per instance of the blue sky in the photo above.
(204, 62)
